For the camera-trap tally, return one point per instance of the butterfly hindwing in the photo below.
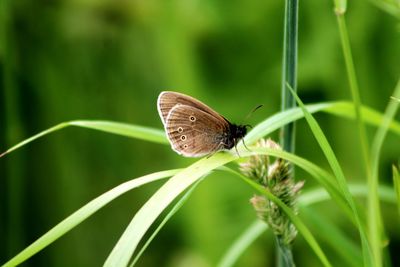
(193, 132)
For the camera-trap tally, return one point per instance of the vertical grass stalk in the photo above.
(376, 148)
(289, 71)
(289, 76)
(375, 227)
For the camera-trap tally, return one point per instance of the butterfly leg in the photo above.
(245, 145)
(219, 147)
(235, 142)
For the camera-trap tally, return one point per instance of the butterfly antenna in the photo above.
(252, 111)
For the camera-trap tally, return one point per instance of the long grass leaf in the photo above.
(143, 219)
(300, 226)
(396, 182)
(339, 108)
(333, 162)
(171, 213)
(307, 198)
(372, 117)
(124, 129)
(242, 243)
(317, 195)
(331, 234)
(83, 213)
(375, 224)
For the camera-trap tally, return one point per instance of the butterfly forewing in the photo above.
(167, 100)
(193, 132)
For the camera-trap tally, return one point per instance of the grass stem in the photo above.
(289, 76)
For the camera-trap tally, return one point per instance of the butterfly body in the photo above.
(193, 128)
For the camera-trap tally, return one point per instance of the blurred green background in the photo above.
(107, 59)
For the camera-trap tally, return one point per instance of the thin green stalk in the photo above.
(375, 154)
(289, 71)
(289, 76)
(375, 226)
(353, 86)
(286, 255)
(340, 178)
(396, 184)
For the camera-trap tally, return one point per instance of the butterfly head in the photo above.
(238, 131)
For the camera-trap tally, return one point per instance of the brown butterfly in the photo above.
(193, 128)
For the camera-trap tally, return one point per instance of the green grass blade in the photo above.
(124, 129)
(277, 120)
(372, 117)
(332, 235)
(307, 198)
(376, 228)
(83, 213)
(396, 182)
(300, 226)
(340, 108)
(390, 7)
(171, 213)
(289, 74)
(318, 195)
(355, 92)
(143, 219)
(325, 179)
(337, 170)
(127, 244)
(242, 243)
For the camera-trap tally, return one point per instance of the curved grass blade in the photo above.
(300, 226)
(242, 243)
(83, 213)
(171, 213)
(324, 178)
(102, 200)
(277, 120)
(375, 225)
(124, 129)
(317, 195)
(372, 117)
(396, 182)
(340, 108)
(333, 162)
(307, 198)
(143, 219)
(126, 245)
(332, 235)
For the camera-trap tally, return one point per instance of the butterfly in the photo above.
(194, 129)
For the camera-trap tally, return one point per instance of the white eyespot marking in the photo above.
(183, 137)
(180, 129)
(185, 146)
(192, 118)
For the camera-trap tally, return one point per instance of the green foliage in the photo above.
(396, 182)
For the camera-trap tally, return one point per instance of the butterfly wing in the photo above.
(193, 132)
(167, 100)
